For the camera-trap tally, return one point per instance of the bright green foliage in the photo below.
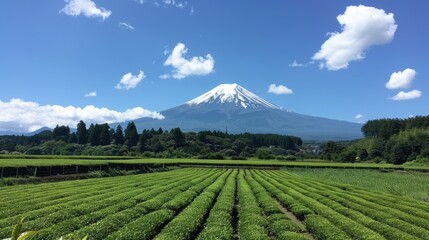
(208, 203)
(144, 227)
(193, 216)
(219, 221)
(279, 223)
(16, 232)
(252, 224)
(411, 185)
(323, 228)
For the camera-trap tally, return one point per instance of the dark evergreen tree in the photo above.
(119, 135)
(143, 139)
(72, 138)
(94, 135)
(112, 135)
(160, 131)
(131, 134)
(81, 133)
(61, 133)
(91, 127)
(104, 134)
(178, 137)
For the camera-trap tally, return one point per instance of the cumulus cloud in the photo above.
(129, 81)
(126, 26)
(359, 116)
(91, 94)
(401, 79)
(280, 89)
(21, 116)
(296, 64)
(187, 67)
(362, 27)
(85, 7)
(407, 95)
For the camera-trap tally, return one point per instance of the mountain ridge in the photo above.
(232, 107)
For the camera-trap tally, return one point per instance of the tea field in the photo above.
(210, 203)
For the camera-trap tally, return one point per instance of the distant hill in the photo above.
(3, 133)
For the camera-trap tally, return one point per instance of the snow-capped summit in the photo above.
(232, 108)
(232, 94)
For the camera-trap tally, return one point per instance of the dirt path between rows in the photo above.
(294, 219)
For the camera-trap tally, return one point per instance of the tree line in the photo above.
(101, 139)
(386, 140)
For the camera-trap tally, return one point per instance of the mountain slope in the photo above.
(233, 108)
(231, 94)
(3, 133)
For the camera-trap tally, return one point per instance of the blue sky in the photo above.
(54, 56)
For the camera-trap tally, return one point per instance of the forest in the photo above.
(101, 139)
(386, 140)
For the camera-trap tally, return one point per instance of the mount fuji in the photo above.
(232, 108)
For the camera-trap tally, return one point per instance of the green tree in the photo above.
(104, 134)
(331, 149)
(72, 138)
(143, 141)
(178, 137)
(363, 155)
(239, 144)
(264, 153)
(81, 133)
(400, 152)
(119, 135)
(377, 149)
(94, 135)
(131, 134)
(61, 133)
(348, 155)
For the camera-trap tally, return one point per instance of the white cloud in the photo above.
(192, 11)
(401, 79)
(174, 3)
(86, 8)
(280, 89)
(362, 27)
(407, 95)
(359, 116)
(296, 64)
(21, 116)
(164, 76)
(126, 26)
(91, 94)
(184, 67)
(129, 81)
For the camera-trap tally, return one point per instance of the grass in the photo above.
(405, 184)
(34, 161)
